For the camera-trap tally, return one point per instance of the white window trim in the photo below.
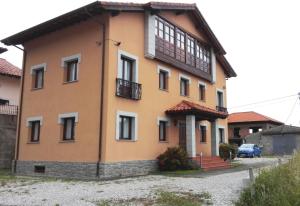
(182, 76)
(67, 115)
(128, 114)
(225, 136)
(36, 118)
(201, 83)
(220, 90)
(135, 64)
(202, 124)
(67, 59)
(38, 66)
(165, 119)
(165, 69)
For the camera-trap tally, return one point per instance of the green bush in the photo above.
(225, 149)
(174, 158)
(279, 186)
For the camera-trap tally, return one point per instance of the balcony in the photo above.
(128, 89)
(221, 109)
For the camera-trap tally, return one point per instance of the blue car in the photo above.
(249, 150)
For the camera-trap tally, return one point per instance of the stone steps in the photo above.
(212, 163)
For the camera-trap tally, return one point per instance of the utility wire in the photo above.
(260, 102)
(292, 110)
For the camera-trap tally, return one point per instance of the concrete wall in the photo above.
(275, 144)
(10, 89)
(7, 139)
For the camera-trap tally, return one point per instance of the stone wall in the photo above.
(8, 125)
(83, 170)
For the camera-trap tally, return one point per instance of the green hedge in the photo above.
(225, 149)
(279, 186)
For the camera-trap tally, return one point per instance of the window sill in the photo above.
(36, 89)
(126, 140)
(67, 141)
(33, 142)
(166, 142)
(187, 96)
(204, 101)
(70, 82)
(163, 90)
(203, 142)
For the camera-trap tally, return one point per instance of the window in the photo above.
(221, 135)
(236, 132)
(35, 131)
(220, 98)
(68, 122)
(163, 131)
(39, 169)
(180, 45)
(184, 87)
(4, 102)
(163, 80)
(202, 133)
(71, 67)
(126, 127)
(69, 127)
(71, 71)
(34, 126)
(127, 69)
(37, 72)
(202, 89)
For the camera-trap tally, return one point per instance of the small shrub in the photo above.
(174, 158)
(225, 149)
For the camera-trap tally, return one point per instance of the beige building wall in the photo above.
(10, 89)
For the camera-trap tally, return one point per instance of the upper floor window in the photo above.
(190, 58)
(38, 76)
(184, 87)
(127, 69)
(220, 99)
(202, 91)
(162, 130)
(4, 102)
(71, 67)
(71, 71)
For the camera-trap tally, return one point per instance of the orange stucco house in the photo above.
(110, 86)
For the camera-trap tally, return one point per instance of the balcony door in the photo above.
(127, 69)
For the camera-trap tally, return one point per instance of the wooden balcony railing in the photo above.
(221, 109)
(128, 89)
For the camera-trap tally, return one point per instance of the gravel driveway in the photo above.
(224, 187)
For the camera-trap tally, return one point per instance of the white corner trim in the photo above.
(165, 69)
(129, 114)
(67, 59)
(201, 83)
(213, 66)
(36, 118)
(66, 115)
(38, 66)
(135, 64)
(182, 76)
(165, 119)
(149, 35)
(221, 127)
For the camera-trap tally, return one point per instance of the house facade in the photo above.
(241, 124)
(110, 86)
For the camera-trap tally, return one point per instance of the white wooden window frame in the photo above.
(65, 60)
(135, 125)
(61, 117)
(183, 76)
(135, 61)
(222, 91)
(38, 66)
(164, 69)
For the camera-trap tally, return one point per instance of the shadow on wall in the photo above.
(8, 127)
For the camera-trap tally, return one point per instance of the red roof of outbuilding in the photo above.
(9, 69)
(245, 117)
(186, 107)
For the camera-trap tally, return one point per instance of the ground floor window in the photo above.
(35, 131)
(202, 133)
(163, 131)
(69, 128)
(221, 135)
(126, 127)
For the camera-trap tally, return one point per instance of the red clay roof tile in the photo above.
(9, 69)
(251, 116)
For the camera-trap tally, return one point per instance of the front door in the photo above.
(182, 135)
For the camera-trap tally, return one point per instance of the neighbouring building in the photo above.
(280, 140)
(10, 77)
(110, 86)
(241, 124)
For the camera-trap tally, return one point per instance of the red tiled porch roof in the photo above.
(186, 108)
(248, 117)
(9, 69)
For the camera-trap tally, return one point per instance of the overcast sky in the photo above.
(261, 37)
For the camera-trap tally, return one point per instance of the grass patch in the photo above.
(163, 198)
(274, 187)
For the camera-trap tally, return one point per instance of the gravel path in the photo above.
(223, 187)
